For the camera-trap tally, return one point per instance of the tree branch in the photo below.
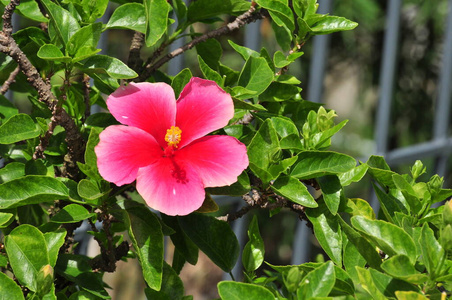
(74, 139)
(246, 18)
(11, 79)
(134, 61)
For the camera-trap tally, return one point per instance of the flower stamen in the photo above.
(173, 136)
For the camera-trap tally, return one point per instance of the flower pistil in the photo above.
(173, 136)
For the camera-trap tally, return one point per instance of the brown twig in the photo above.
(86, 90)
(134, 61)
(249, 16)
(73, 137)
(11, 79)
(44, 140)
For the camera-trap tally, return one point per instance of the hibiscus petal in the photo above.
(218, 159)
(170, 187)
(202, 108)
(122, 150)
(148, 106)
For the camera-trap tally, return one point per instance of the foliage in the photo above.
(50, 183)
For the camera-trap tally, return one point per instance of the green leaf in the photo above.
(244, 52)
(279, 92)
(318, 283)
(214, 237)
(181, 241)
(89, 190)
(54, 241)
(238, 188)
(72, 213)
(30, 190)
(87, 37)
(27, 253)
(209, 73)
(9, 289)
(432, 252)
(280, 13)
(401, 295)
(211, 52)
(253, 253)
(29, 9)
(53, 53)
(331, 191)
(330, 24)
(231, 290)
(7, 109)
(104, 64)
(368, 284)
(388, 237)
(172, 286)
(313, 164)
(294, 190)
(327, 231)
(12, 171)
(262, 149)
(64, 23)
(128, 16)
(399, 266)
(204, 9)
(147, 238)
(354, 175)
(156, 13)
(5, 219)
(18, 128)
(180, 9)
(256, 75)
(180, 81)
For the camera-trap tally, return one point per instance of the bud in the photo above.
(325, 120)
(435, 184)
(44, 280)
(447, 213)
(418, 169)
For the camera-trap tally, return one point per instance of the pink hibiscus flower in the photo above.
(165, 147)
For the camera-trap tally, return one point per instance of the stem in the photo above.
(11, 79)
(232, 276)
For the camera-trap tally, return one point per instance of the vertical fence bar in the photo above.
(320, 47)
(387, 75)
(442, 113)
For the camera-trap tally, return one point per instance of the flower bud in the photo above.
(418, 169)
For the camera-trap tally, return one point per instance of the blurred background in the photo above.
(390, 77)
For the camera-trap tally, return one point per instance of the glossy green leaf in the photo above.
(279, 92)
(64, 23)
(318, 283)
(388, 285)
(331, 191)
(330, 24)
(104, 64)
(231, 290)
(432, 252)
(156, 13)
(12, 171)
(180, 9)
(204, 9)
(87, 36)
(7, 109)
(312, 164)
(211, 52)
(244, 52)
(147, 238)
(53, 53)
(253, 253)
(351, 256)
(214, 237)
(399, 266)
(172, 286)
(28, 9)
(357, 207)
(128, 16)
(18, 128)
(388, 237)
(180, 81)
(294, 190)
(9, 289)
(89, 190)
(5, 218)
(280, 12)
(209, 73)
(401, 295)
(54, 241)
(366, 280)
(90, 165)
(262, 149)
(327, 231)
(27, 252)
(380, 171)
(30, 190)
(389, 204)
(72, 213)
(256, 75)
(354, 175)
(181, 241)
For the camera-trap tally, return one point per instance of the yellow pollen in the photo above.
(173, 136)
